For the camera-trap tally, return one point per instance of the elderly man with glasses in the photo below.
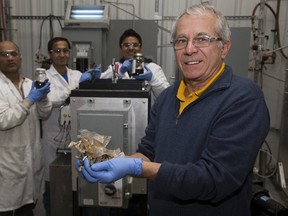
(204, 132)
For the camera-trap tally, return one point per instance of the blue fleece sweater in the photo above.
(208, 152)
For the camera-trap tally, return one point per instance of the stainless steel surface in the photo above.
(115, 121)
(122, 114)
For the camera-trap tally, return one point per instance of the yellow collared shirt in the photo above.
(185, 101)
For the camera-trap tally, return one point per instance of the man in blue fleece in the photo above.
(204, 132)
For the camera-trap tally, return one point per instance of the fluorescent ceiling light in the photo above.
(77, 11)
(85, 17)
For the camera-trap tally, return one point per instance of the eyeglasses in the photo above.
(59, 50)
(199, 42)
(7, 53)
(128, 45)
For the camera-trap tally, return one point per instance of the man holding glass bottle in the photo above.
(22, 105)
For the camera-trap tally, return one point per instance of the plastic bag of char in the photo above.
(93, 146)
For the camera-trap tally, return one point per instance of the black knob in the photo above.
(110, 189)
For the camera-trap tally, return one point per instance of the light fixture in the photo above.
(87, 16)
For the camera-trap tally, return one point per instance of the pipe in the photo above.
(276, 16)
(278, 49)
(3, 29)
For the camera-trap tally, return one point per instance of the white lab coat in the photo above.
(158, 82)
(21, 161)
(60, 91)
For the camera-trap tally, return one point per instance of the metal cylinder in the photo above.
(40, 77)
(138, 64)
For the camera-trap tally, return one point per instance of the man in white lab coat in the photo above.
(63, 80)
(21, 161)
(130, 42)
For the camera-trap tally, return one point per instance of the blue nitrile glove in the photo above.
(147, 75)
(126, 66)
(38, 94)
(93, 73)
(112, 170)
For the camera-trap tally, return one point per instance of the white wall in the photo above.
(26, 33)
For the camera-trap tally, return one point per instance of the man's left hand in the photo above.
(93, 73)
(147, 75)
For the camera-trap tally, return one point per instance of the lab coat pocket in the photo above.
(13, 175)
(13, 163)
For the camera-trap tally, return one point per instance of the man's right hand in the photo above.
(126, 66)
(36, 95)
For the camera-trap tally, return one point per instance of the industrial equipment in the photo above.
(263, 205)
(85, 27)
(119, 110)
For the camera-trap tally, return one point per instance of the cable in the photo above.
(269, 149)
(38, 55)
(59, 137)
(63, 138)
(271, 159)
(132, 14)
(51, 28)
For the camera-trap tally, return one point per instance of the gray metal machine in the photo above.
(85, 27)
(99, 45)
(119, 110)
